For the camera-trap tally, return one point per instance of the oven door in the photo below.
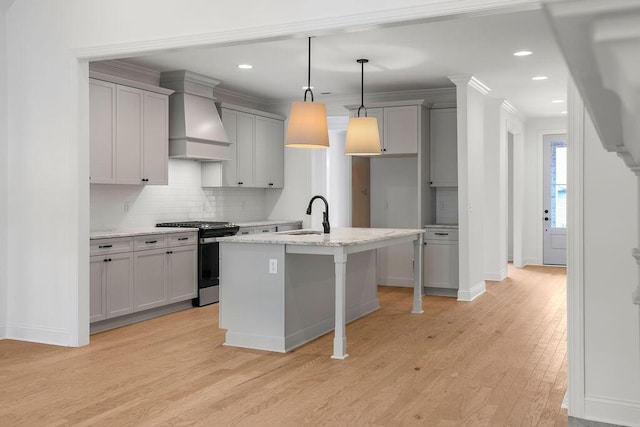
(208, 271)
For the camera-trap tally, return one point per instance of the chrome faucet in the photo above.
(325, 215)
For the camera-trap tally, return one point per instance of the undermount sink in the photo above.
(301, 232)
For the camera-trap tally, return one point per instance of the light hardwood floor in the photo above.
(499, 360)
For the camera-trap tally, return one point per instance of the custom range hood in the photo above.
(195, 128)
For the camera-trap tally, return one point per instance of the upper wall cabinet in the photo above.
(129, 134)
(257, 150)
(444, 148)
(399, 126)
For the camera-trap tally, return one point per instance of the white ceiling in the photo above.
(405, 57)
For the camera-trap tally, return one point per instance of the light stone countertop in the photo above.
(337, 237)
(266, 223)
(107, 234)
(453, 226)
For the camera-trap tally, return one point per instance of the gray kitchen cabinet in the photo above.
(444, 148)
(399, 126)
(167, 273)
(269, 153)
(401, 130)
(257, 150)
(129, 134)
(129, 114)
(150, 272)
(111, 286)
(181, 275)
(155, 150)
(440, 264)
(141, 272)
(102, 131)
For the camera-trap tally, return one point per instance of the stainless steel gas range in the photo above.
(208, 256)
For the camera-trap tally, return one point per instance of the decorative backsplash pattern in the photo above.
(132, 206)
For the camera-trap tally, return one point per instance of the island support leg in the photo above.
(417, 275)
(340, 338)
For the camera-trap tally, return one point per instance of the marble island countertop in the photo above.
(266, 223)
(337, 237)
(452, 226)
(107, 234)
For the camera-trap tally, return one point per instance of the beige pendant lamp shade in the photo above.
(363, 138)
(307, 126)
(308, 120)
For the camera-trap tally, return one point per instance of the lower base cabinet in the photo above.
(111, 289)
(440, 261)
(139, 279)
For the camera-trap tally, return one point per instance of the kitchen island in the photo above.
(281, 290)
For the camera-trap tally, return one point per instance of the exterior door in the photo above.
(555, 200)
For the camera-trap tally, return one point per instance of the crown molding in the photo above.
(471, 81)
(507, 106)
(125, 70)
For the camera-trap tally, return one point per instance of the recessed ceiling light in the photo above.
(563, 112)
(245, 66)
(557, 101)
(539, 78)
(522, 53)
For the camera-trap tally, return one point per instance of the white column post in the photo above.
(417, 275)
(340, 338)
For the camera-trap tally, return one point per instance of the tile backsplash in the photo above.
(131, 206)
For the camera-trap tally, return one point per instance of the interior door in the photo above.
(555, 200)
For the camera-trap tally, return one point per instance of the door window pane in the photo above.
(559, 184)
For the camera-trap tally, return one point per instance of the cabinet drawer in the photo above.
(441, 234)
(150, 241)
(111, 246)
(182, 239)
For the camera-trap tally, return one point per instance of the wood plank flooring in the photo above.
(499, 360)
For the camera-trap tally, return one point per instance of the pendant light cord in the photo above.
(309, 76)
(362, 107)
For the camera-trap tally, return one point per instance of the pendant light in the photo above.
(363, 138)
(308, 120)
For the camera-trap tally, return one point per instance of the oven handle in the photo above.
(206, 240)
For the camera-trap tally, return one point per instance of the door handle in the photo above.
(546, 218)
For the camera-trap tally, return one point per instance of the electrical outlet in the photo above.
(273, 266)
(126, 207)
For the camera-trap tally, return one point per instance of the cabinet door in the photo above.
(262, 148)
(119, 284)
(102, 128)
(444, 147)
(182, 273)
(230, 167)
(150, 275)
(269, 153)
(401, 130)
(440, 264)
(378, 113)
(155, 149)
(245, 149)
(129, 115)
(97, 306)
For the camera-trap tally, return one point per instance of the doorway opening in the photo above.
(554, 223)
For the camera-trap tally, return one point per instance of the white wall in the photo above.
(133, 206)
(612, 330)
(4, 224)
(495, 191)
(470, 110)
(533, 178)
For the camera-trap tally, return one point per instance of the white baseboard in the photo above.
(612, 411)
(282, 344)
(496, 276)
(53, 336)
(473, 293)
(401, 282)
